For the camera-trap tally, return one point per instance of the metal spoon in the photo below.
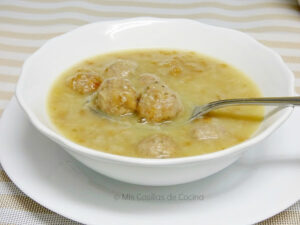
(275, 101)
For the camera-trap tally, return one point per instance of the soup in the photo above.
(136, 103)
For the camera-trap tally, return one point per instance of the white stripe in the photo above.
(13, 216)
(8, 188)
(9, 87)
(297, 82)
(3, 104)
(10, 70)
(56, 28)
(276, 36)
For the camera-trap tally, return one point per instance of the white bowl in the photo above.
(263, 65)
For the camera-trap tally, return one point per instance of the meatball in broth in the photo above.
(158, 103)
(157, 146)
(84, 82)
(120, 68)
(116, 96)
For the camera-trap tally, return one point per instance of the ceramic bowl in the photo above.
(261, 64)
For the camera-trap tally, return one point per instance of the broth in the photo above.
(195, 80)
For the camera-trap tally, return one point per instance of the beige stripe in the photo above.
(291, 59)
(297, 74)
(272, 29)
(8, 78)
(20, 202)
(15, 48)
(4, 177)
(42, 22)
(149, 4)
(281, 44)
(286, 217)
(5, 95)
(132, 14)
(30, 36)
(297, 89)
(11, 62)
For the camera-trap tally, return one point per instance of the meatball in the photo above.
(116, 96)
(206, 129)
(172, 66)
(157, 146)
(147, 79)
(158, 103)
(175, 69)
(120, 68)
(84, 82)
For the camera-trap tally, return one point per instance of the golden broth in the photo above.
(198, 79)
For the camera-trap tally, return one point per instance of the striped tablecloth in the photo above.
(26, 25)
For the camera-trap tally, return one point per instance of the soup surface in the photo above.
(136, 103)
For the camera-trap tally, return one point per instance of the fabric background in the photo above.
(26, 25)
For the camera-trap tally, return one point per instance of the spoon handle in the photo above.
(260, 101)
(276, 101)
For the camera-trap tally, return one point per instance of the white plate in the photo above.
(263, 183)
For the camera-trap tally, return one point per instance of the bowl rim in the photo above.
(91, 153)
